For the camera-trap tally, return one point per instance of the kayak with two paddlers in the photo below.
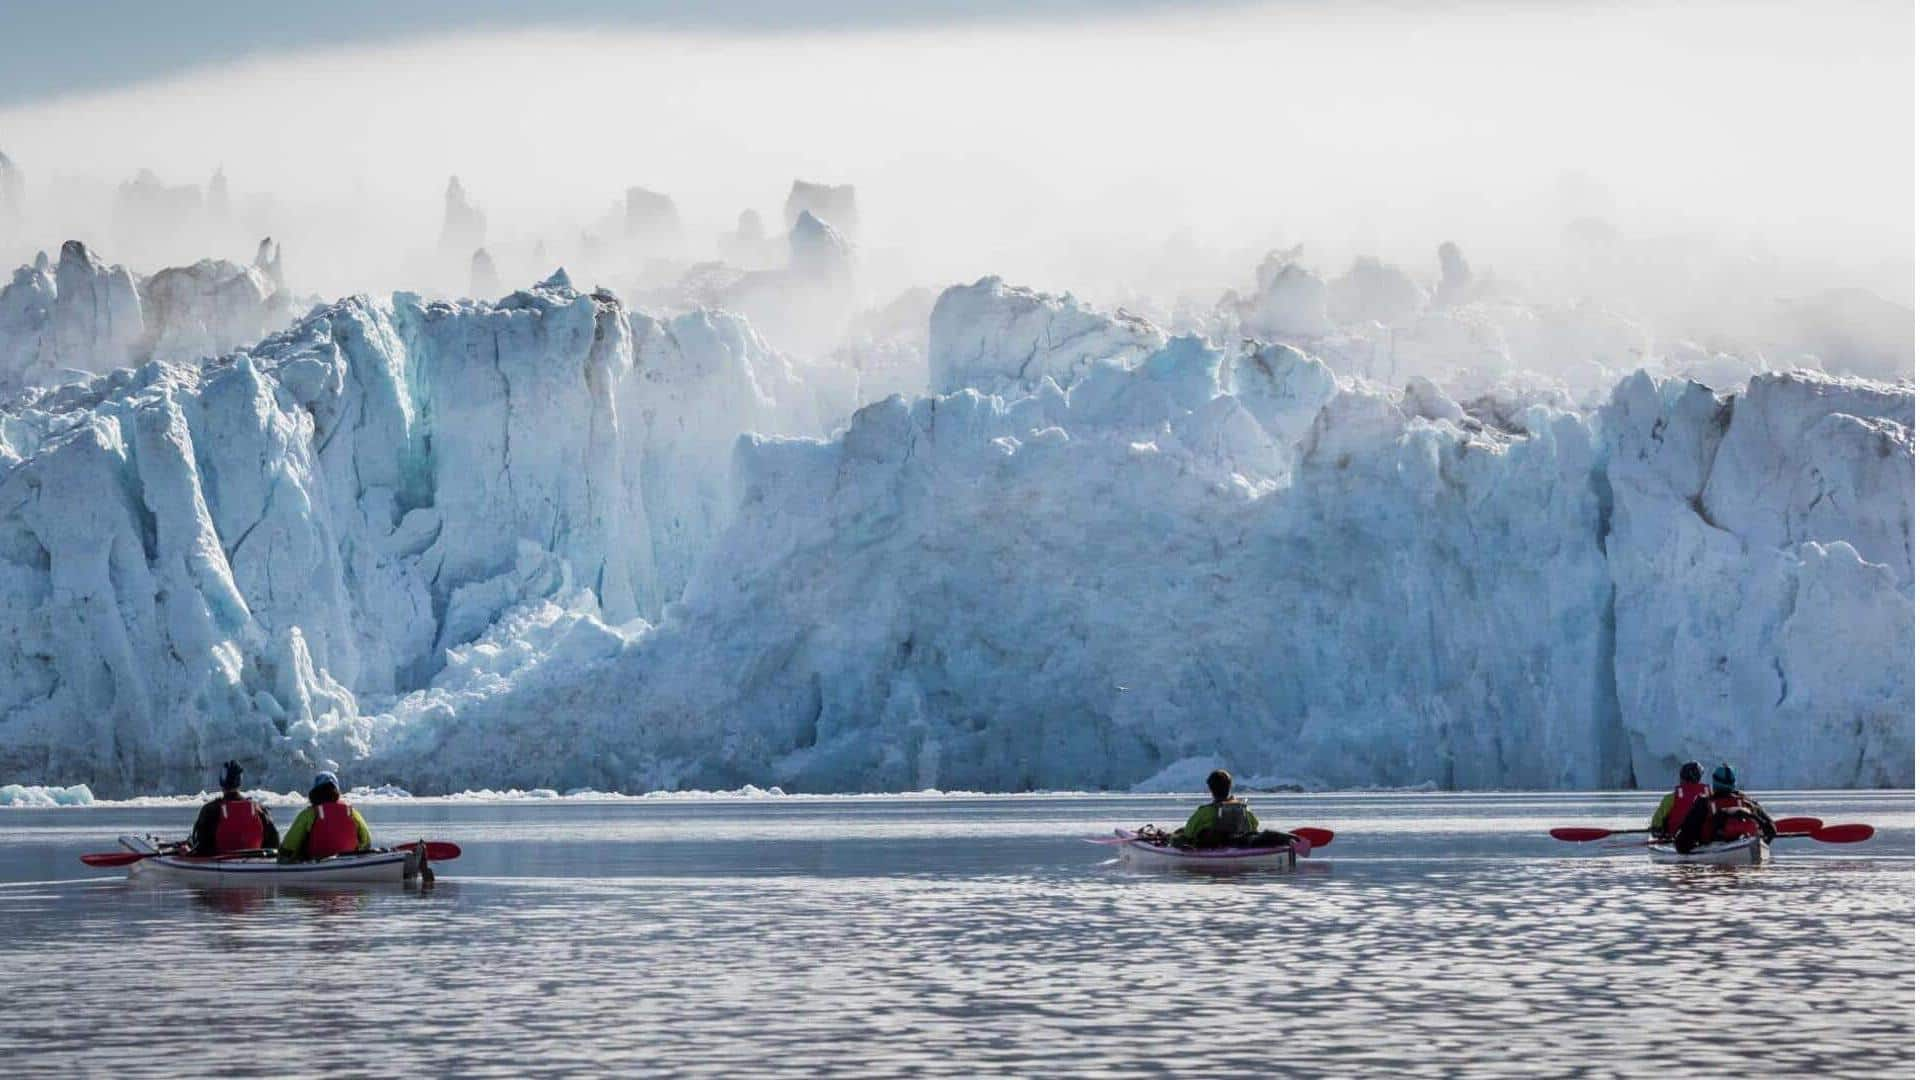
(146, 856)
(234, 840)
(1715, 824)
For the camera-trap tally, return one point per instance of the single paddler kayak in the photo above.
(1745, 851)
(374, 867)
(1146, 854)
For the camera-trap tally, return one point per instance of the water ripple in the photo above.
(989, 949)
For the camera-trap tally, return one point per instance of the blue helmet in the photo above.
(1723, 778)
(325, 779)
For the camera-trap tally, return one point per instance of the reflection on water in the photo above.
(245, 899)
(1438, 935)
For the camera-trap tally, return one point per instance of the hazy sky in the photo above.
(1384, 125)
(55, 49)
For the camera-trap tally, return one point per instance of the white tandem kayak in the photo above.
(373, 867)
(1745, 851)
(1146, 854)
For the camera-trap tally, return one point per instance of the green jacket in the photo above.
(1204, 818)
(295, 841)
(1658, 823)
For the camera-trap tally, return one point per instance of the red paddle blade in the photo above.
(1797, 824)
(1578, 834)
(111, 858)
(1843, 834)
(1315, 837)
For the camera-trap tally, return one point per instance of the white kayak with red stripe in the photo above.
(1146, 854)
(369, 867)
(1745, 851)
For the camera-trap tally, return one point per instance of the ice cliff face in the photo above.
(990, 336)
(230, 554)
(1761, 548)
(459, 545)
(206, 309)
(60, 322)
(1184, 553)
(78, 316)
(1200, 554)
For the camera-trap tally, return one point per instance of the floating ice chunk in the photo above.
(39, 796)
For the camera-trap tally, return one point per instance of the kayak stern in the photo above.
(1144, 855)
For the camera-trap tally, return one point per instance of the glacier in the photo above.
(61, 321)
(554, 541)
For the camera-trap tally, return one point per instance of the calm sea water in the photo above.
(1439, 935)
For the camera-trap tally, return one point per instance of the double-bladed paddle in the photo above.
(1315, 838)
(1795, 826)
(1785, 828)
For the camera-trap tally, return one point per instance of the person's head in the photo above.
(230, 777)
(1690, 772)
(1723, 782)
(1220, 782)
(325, 789)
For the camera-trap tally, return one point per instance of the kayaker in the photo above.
(1221, 822)
(327, 826)
(1726, 814)
(232, 822)
(1673, 809)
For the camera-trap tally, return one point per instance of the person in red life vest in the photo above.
(327, 826)
(232, 822)
(1673, 810)
(1727, 813)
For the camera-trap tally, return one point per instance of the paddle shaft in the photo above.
(1315, 838)
(1580, 834)
(1824, 834)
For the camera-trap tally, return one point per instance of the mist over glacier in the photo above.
(1534, 471)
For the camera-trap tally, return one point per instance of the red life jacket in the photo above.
(333, 831)
(239, 828)
(1684, 797)
(1725, 827)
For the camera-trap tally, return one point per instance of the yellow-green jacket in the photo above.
(1658, 823)
(294, 841)
(1207, 816)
